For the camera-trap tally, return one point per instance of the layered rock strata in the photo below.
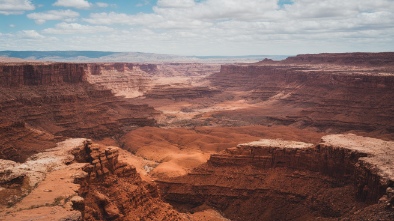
(327, 96)
(123, 79)
(179, 93)
(365, 161)
(137, 80)
(113, 190)
(56, 98)
(365, 59)
(18, 141)
(15, 75)
(270, 180)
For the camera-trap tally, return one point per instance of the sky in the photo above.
(198, 27)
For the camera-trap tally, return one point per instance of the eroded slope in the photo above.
(330, 96)
(283, 180)
(56, 99)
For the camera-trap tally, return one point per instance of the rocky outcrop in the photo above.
(103, 162)
(291, 180)
(41, 187)
(113, 190)
(365, 161)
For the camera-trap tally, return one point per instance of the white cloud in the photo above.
(335, 8)
(259, 22)
(102, 4)
(143, 3)
(31, 34)
(121, 18)
(220, 9)
(175, 3)
(228, 27)
(75, 28)
(42, 17)
(80, 4)
(153, 21)
(10, 7)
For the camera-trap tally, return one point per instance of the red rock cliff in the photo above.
(113, 190)
(375, 59)
(281, 180)
(16, 75)
(56, 98)
(339, 98)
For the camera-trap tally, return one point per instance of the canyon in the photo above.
(305, 138)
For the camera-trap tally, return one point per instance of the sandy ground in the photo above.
(50, 185)
(170, 152)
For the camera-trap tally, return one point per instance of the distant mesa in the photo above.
(359, 58)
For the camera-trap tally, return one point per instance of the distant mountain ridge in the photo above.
(64, 54)
(107, 56)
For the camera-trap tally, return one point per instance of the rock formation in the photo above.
(55, 98)
(41, 187)
(364, 59)
(81, 180)
(152, 80)
(327, 96)
(275, 179)
(46, 186)
(113, 190)
(40, 74)
(18, 141)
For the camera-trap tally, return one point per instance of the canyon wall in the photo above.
(57, 99)
(346, 163)
(87, 99)
(365, 59)
(337, 98)
(14, 75)
(287, 180)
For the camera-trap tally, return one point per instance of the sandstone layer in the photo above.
(57, 99)
(341, 177)
(327, 92)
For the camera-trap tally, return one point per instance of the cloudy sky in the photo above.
(199, 27)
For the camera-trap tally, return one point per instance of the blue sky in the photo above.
(198, 27)
(19, 21)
